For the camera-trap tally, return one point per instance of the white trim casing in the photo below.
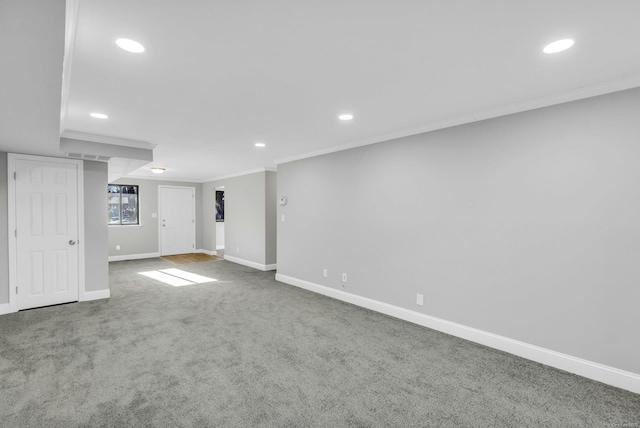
(12, 224)
(87, 296)
(13, 244)
(249, 263)
(595, 371)
(603, 88)
(241, 173)
(134, 257)
(219, 247)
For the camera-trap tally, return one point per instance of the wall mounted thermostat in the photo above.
(283, 200)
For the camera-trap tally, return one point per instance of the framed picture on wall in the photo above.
(219, 205)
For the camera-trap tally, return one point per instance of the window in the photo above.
(123, 204)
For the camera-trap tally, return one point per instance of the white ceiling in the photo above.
(219, 76)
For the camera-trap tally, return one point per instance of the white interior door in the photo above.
(46, 212)
(177, 220)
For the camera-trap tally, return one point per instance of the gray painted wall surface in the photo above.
(244, 205)
(4, 224)
(143, 239)
(527, 226)
(208, 215)
(246, 216)
(96, 236)
(271, 212)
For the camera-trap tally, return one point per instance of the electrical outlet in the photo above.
(419, 299)
(237, 249)
(283, 218)
(344, 277)
(117, 247)
(325, 273)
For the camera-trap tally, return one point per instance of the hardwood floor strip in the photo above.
(181, 259)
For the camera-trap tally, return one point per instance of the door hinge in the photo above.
(14, 175)
(16, 290)
(15, 233)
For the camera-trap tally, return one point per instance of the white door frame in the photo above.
(13, 240)
(160, 214)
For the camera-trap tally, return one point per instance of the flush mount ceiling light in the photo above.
(157, 170)
(260, 145)
(558, 46)
(130, 45)
(99, 115)
(345, 116)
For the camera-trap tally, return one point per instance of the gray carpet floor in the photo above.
(248, 351)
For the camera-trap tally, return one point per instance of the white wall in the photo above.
(526, 226)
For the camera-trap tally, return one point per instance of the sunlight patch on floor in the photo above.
(177, 277)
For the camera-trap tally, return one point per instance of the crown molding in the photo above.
(239, 174)
(611, 86)
(160, 177)
(106, 139)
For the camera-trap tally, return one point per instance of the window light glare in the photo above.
(130, 45)
(188, 276)
(558, 46)
(177, 277)
(166, 278)
(99, 115)
(260, 145)
(345, 116)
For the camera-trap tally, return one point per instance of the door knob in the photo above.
(72, 242)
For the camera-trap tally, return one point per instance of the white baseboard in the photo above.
(219, 247)
(250, 263)
(208, 252)
(133, 257)
(95, 295)
(599, 372)
(84, 297)
(5, 308)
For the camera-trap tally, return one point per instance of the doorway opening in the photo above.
(220, 220)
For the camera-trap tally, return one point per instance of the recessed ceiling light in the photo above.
(99, 115)
(260, 144)
(345, 117)
(157, 170)
(558, 46)
(130, 45)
